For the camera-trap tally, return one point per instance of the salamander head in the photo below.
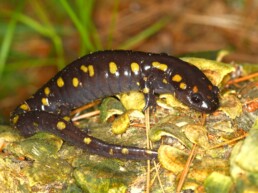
(203, 101)
(196, 91)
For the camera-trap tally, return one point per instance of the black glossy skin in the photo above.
(45, 109)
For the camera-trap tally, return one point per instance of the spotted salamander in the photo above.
(107, 73)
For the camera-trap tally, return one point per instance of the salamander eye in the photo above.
(196, 98)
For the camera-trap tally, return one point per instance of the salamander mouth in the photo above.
(211, 106)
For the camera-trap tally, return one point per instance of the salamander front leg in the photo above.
(33, 121)
(148, 91)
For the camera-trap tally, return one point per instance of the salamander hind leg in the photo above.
(33, 121)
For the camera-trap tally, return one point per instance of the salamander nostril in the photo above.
(196, 98)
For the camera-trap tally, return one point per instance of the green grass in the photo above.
(8, 37)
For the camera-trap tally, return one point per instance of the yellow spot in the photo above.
(182, 85)
(125, 151)
(47, 91)
(146, 90)
(111, 152)
(15, 119)
(45, 101)
(210, 87)
(24, 107)
(60, 82)
(87, 140)
(164, 81)
(91, 70)
(160, 66)
(195, 89)
(66, 118)
(75, 82)
(112, 67)
(177, 78)
(135, 67)
(61, 125)
(138, 83)
(84, 68)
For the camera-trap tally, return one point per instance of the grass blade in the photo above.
(145, 33)
(7, 41)
(84, 33)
